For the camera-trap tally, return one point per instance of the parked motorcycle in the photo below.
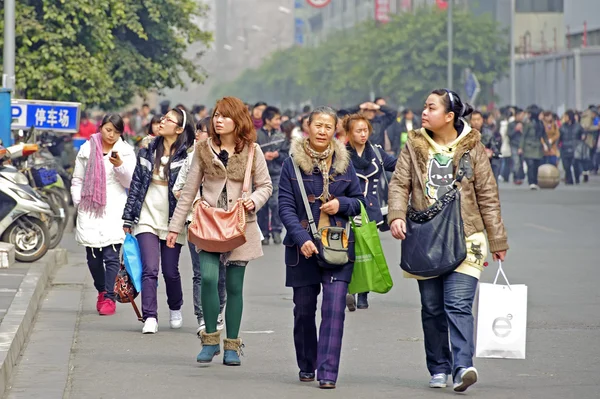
(24, 215)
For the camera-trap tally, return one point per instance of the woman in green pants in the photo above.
(219, 164)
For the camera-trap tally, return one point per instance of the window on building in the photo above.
(530, 6)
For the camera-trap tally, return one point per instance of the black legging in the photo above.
(532, 170)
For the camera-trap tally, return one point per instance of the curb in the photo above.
(19, 318)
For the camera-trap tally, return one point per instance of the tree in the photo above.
(403, 60)
(103, 52)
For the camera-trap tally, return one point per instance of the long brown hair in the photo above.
(348, 123)
(234, 108)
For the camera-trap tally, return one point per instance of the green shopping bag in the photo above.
(371, 273)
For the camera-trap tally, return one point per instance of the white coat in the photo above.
(108, 230)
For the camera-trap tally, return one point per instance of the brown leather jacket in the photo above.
(480, 203)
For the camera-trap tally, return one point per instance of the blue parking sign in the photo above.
(45, 115)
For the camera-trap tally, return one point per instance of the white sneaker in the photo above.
(438, 381)
(220, 322)
(150, 326)
(465, 378)
(176, 319)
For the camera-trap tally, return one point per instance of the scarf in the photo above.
(93, 193)
(320, 161)
(258, 123)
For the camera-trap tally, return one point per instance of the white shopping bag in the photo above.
(501, 320)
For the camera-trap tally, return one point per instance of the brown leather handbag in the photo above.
(219, 230)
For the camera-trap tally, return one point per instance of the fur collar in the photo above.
(421, 147)
(212, 165)
(341, 157)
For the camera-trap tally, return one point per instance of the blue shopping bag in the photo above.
(133, 260)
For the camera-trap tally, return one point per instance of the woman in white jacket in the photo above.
(103, 172)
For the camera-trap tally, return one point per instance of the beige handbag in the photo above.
(219, 230)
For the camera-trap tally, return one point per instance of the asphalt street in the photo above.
(554, 238)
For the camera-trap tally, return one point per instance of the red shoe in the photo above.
(108, 308)
(100, 301)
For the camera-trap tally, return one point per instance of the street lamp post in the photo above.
(8, 77)
(450, 44)
(513, 72)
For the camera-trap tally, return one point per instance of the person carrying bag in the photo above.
(443, 199)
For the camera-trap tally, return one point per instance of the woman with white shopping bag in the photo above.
(447, 176)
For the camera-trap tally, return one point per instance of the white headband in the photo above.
(184, 119)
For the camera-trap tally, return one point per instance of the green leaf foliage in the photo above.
(104, 52)
(402, 60)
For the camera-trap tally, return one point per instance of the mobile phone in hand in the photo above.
(113, 154)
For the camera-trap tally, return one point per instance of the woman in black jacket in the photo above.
(370, 162)
(571, 134)
(150, 206)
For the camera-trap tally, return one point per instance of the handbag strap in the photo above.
(500, 270)
(380, 160)
(311, 219)
(246, 185)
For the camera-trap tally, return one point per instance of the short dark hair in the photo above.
(405, 111)
(203, 123)
(196, 109)
(269, 113)
(306, 108)
(477, 112)
(145, 105)
(377, 99)
(260, 104)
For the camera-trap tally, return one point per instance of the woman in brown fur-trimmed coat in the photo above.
(425, 172)
(219, 165)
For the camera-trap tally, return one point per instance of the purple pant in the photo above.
(154, 252)
(324, 354)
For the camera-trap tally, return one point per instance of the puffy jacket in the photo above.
(273, 141)
(142, 178)
(531, 141)
(101, 232)
(570, 136)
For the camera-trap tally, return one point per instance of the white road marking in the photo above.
(543, 228)
(258, 332)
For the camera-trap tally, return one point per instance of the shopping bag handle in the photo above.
(500, 270)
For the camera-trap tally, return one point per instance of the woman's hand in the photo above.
(171, 239)
(398, 229)
(308, 249)
(500, 255)
(127, 230)
(116, 161)
(249, 205)
(332, 207)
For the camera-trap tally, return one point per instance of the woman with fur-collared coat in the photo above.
(334, 194)
(425, 172)
(219, 165)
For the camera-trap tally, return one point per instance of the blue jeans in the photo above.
(446, 305)
(197, 284)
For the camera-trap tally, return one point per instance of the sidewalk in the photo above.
(21, 288)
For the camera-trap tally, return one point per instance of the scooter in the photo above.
(24, 215)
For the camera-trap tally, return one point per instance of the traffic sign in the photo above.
(45, 115)
(472, 87)
(318, 3)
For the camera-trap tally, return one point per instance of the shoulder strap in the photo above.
(380, 160)
(311, 220)
(246, 185)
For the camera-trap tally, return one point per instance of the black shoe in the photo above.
(363, 302)
(326, 384)
(265, 241)
(350, 302)
(306, 377)
(277, 238)
(586, 178)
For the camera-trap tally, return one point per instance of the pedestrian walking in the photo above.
(532, 145)
(550, 142)
(424, 173)
(276, 149)
(379, 122)
(220, 165)
(515, 132)
(150, 206)
(571, 134)
(201, 134)
(370, 163)
(103, 170)
(332, 191)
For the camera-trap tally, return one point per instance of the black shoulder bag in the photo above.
(435, 241)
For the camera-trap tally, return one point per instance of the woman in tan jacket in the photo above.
(425, 172)
(219, 165)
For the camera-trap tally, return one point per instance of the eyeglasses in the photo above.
(164, 118)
